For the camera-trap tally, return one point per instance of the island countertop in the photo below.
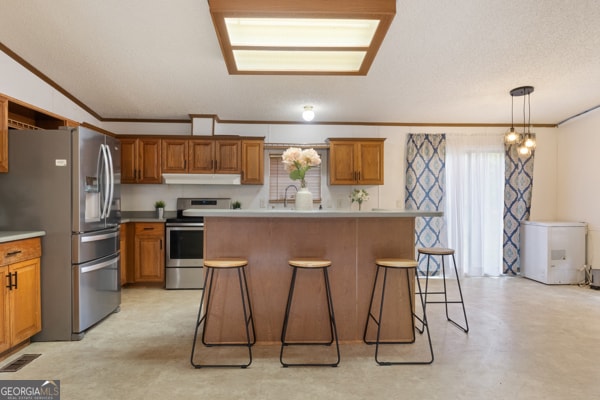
(281, 213)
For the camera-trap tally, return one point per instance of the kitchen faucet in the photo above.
(285, 194)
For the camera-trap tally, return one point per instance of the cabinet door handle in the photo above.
(148, 229)
(161, 244)
(15, 285)
(9, 285)
(13, 253)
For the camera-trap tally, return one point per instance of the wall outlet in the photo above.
(263, 203)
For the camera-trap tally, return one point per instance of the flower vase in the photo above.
(304, 200)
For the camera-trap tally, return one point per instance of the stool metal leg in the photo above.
(445, 292)
(462, 302)
(332, 325)
(203, 317)
(378, 321)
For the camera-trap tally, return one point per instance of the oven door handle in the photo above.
(190, 226)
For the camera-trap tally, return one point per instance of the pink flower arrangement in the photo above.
(297, 161)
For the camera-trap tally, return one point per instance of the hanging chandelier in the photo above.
(525, 140)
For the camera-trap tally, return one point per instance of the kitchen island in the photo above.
(269, 238)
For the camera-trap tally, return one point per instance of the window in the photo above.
(279, 180)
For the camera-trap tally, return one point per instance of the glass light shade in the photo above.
(524, 150)
(529, 143)
(511, 136)
(308, 114)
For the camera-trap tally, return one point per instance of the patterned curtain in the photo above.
(425, 181)
(518, 186)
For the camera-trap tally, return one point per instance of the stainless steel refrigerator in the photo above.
(67, 183)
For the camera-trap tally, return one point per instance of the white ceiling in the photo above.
(441, 62)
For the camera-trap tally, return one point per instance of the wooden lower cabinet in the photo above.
(20, 295)
(149, 252)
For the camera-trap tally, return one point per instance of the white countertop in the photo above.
(9, 236)
(279, 213)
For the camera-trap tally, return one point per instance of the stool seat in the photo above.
(230, 262)
(396, 262)
(309, 263)
(436, 251)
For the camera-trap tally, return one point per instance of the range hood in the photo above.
(202, 179)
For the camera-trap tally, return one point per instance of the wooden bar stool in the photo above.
(406, 266)
(213, 265)
(439, 251)
(308, 264)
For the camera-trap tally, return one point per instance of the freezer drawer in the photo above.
(94, 245)
(96, 291)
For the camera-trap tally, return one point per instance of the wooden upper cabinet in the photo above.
(174, 156)
(201, 156)
(140, 160)
(3, 134)
(228, 157)
(356, 161)
(253, 162)
(18, 115)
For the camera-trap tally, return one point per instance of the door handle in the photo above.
(99, 237)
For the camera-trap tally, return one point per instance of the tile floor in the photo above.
(527, 341)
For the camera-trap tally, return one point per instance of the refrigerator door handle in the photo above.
(111, 177)
(106, 177)
(104, 264)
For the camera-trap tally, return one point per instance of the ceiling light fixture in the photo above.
(308, 114)
(525, 140)
(309, 37)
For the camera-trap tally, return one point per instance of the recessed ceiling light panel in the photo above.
(297, 61)
(296, 32)
(301, 37)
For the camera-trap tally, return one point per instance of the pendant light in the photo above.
(524, 140)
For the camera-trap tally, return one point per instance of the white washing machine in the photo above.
(553, 252)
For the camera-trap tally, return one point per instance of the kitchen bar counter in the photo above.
(9, 236)
(283, 213)
(351, 240)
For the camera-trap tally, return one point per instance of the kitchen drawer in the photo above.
(20, 250)
(150, 228)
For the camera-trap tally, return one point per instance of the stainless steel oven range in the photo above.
(185, 243)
